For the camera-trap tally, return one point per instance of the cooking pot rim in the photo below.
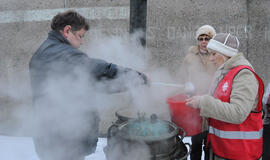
(174, 133)
(117, 114)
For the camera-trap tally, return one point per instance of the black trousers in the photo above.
(56, 150)
(266, 142)
(199, 141)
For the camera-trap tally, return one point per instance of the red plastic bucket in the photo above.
(183, 116)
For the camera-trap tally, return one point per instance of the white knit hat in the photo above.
(224, 43)
(207, 30)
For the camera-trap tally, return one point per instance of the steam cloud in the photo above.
(124, 51)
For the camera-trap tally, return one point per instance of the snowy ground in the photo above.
(22, 148)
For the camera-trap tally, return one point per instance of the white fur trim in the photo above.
(221, 48)
(205, 29)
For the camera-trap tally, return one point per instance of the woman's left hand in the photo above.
(193, 101)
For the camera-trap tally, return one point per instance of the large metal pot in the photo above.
(162, 145)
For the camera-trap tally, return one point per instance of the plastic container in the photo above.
(183, 116)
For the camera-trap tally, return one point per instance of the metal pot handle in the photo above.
(112, 130)
(183, 133)
(188, 153)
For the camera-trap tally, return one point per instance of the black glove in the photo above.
(105, 70)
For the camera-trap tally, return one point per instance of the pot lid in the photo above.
(147, 126)
(132, 112)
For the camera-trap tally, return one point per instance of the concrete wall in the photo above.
(259, 37)
(171, 26)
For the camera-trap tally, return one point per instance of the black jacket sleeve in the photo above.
(106, 71)
(102, 70)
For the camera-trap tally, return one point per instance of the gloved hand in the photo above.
(193, 101)
(189, 88)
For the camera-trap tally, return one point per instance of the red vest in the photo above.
(237, 141)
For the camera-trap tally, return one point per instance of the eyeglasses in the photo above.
(204, 39)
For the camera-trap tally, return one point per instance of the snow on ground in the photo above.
(22, 148)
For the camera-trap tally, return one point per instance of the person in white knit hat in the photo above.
(196, 65)
(198, 70)
(234, 103)
(205, 30)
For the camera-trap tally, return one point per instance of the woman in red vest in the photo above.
(234, 104)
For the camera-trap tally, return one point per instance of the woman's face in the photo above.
(203, 41)
(217, 58)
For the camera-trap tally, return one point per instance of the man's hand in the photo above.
(193, 101)
(189, 88)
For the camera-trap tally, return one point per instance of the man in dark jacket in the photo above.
(63, 83)
(266, 124)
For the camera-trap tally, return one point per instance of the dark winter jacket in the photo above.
(63, 83)
(266, 105)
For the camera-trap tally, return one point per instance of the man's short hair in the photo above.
(70, 17)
